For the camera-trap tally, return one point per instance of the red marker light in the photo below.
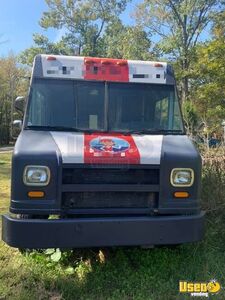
(121, 63)
(88, 61)
(105, 62)
(158, 65)
(51, 58)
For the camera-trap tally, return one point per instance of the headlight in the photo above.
(182, 177)
(36, 175)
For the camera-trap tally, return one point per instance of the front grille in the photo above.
(110, 190)
(92, 200)
(110, 176)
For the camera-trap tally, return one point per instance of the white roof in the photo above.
(77, 67)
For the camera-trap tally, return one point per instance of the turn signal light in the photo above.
(181, 194)
(36, 194)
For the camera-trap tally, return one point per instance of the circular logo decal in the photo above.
(109, 144)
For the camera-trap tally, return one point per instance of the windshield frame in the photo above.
(182, 131)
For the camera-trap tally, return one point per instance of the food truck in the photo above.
(102, 158)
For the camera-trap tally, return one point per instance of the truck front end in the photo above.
(103, 158)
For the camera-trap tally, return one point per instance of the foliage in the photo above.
(208, 78)
(44, 45)
(13, 83)
(190, 117)
(82, 23)
(178, 24)
(128, 42)
(118, 40)
(83, 20)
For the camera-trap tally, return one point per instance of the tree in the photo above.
(208, 77)
(43, 45)
(83, 23)
(178, 25)
(12, 83)
(128, 42)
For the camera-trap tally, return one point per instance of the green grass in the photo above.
(118, 273)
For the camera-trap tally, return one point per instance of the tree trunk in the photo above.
(185, 89)
(185, 62)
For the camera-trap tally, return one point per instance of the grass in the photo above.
(118, 273)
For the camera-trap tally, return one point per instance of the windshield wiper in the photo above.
(155, 131)
(60, 128)
(168, 131)
(125, 132)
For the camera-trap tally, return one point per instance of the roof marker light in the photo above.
(51, 58)
(88, 61)
(121, 63)
(105, 62)
(158, 65)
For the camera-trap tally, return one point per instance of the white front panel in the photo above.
(63, 67)
(71, 146)
(146, 72)
(149, 147)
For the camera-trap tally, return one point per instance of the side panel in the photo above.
(179, 152)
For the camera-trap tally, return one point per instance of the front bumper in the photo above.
(96, 232)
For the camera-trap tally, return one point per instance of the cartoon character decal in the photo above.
(109, 144)
(110, 149)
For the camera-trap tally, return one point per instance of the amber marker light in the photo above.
(121, 63)
(158, 65)
(181, 194)
(36, 194)
(105, 62)
(88, 61)
(51, 58)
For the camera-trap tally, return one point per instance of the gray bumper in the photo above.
(96, 232)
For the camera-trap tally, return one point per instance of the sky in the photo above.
(19, 20)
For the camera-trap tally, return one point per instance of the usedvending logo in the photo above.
(109, 144)
(200, 289)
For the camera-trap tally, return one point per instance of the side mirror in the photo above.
(16, 128)
(19, 104)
